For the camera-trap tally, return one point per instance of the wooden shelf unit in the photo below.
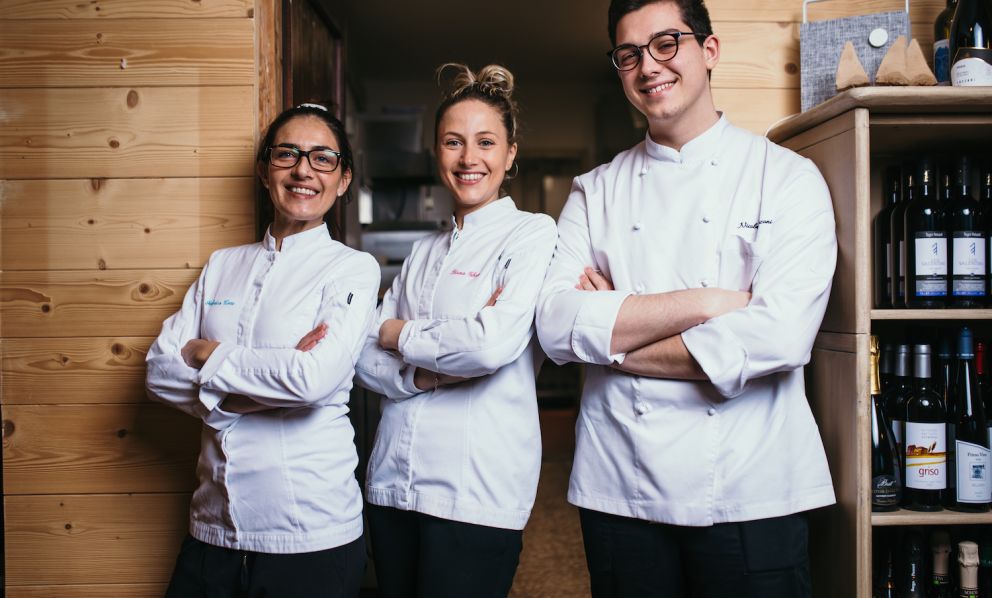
(904, 517)
(852, 138)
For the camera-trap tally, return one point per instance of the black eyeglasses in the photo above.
(662, 47)
(288, 156)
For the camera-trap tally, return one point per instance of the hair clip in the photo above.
(317, 106)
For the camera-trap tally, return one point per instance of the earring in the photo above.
(510, 177)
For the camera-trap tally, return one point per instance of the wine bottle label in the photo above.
(972, 67)
(942, 61)
(931, 264)
(926, 456)
(968, 265)
(973, 482)
(885, 491)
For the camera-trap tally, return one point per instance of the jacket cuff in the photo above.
(720, 354)
(419, 345)
(592, 333)
(215, 361)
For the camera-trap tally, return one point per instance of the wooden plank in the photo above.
(756, 109)
(91, 449)
(268, 42)
(126, 52)
(117, 590)
(81, 303)
(921, 11)
(124, 9)
(837, 342)
(843, 162)
(757, 55)
(73, 370)
(881, 100)
(837, 389)
(126, 133)
(122, 223)
(92, 539)
(905, 517)
(931, 314)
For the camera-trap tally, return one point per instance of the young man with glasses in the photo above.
(703, 259)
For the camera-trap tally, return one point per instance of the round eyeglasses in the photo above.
(662, 47)
(320, 159)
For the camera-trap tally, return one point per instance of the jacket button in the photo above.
(711, 411)
(706, 218)
(637, 226)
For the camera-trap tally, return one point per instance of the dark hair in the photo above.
(694, 14)
(319, 111)
(492, 85)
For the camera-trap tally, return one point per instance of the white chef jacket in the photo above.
(281, 480)
(468, 452)
(730, 210)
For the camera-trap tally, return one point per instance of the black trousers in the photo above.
(629, 558)
(417, 555)
(207, 571)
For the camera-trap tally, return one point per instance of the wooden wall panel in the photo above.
(70, 303)
(93, 539)
(757, 55)
(127, 132)
(755, 109)
(37, 371)
(127, 9)
(921, 11)
(120, 590)
(122, 223)
(125, 52)
(93, 449)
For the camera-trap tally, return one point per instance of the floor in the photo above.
(552, 564)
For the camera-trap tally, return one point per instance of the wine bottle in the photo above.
(926, 443)
(971, 43)
(985, 564)
(883, 239)
(966, 225)
(925, 244)
(887, 587)
(886, 481)
(985, 205)
(968, 572)
(886, 367)
(942, 44)
(896, 233)
(895, 400)
(943, 372)
(912, 585)
(983, 384)
(973, 487)
(940, 578)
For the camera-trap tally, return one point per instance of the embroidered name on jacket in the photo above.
(219, 302)
(457, 272)
(754, 225)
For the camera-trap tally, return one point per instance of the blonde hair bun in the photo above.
(492, 80)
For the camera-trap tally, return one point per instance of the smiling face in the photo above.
(301, 195)
(473, 154)
(674, 95)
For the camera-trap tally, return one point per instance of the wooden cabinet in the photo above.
(852, 138)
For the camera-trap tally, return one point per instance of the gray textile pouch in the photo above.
(821, 43)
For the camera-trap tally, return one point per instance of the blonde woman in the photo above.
(454, 471)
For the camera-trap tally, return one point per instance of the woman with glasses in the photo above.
(263, 352)
(454, 470)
